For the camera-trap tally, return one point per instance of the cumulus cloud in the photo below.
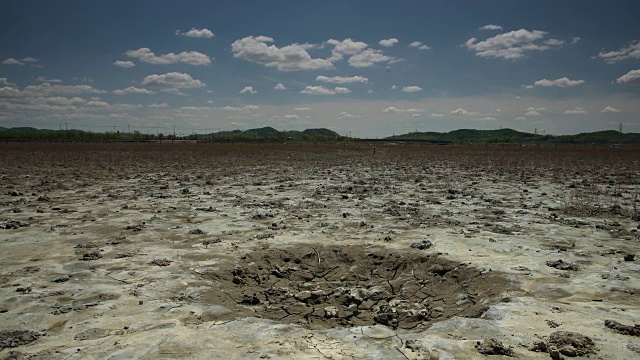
(30, 60)
(343, 79)
(533, 113)
(610, 109)
(43, 79)
(302, 109)
(279, 86)
(411, 88)
(531, 108)
(345, 47)
(577, 111)
(388, 42)
(124, 64)
(437, 115)
(246, 108)
(45, 89)
(172, 82)
(248, 90)
(321, 90)
(512, 45)
(195, 108)
(132, 90)
(345, 115)
(491, 27)
(393, 109)
(575, 39)
(632, 77)
(196, 33)
(561, 82)
(631, 51)
(187, 57)
(521, 118)
(419, 45)
(5, 82)
(292, 57)
(292, 117)
(12, 61)
(486, 118)
(369, 57)
(460, 111)
(161, 105)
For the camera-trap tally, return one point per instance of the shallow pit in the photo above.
(343, 286)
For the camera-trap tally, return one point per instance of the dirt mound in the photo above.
(351, 286)
(565, 343)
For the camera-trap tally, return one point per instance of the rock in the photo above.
(196, 232)
(94, 255)
(160, 262)
(422, 245)
(629, 257)
(565, 343)
(623, 329)
(493, 347)
(562, 265)
(14, 224)
(331, 312)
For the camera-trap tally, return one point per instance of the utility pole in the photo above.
(129, 128)
(620, 128)
(66, 127)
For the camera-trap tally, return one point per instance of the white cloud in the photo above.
(30, 60)
(161, 105)
(460, 111)
(393, 87)
(531, 108)
(388, 42)
(393, 109)
(575, 39)
(370, 91)
(302, 108)
(47, 89)
(419, 45)
(437, 115)
(411, 88)
(279, 86)
(195, 108)
(5, 82)
(246, 108)
(561, 82)
(83, 79)
(533, 113)
(631, 51)
(132, 90)
(187, 57)
(292, 57)
(345, 115)
(511, 45)
(368, 57)
(491, 27)
(610, 109)
(577, 111)
(321, 90)
(172, 82)
(292, 117)
(124, 64)
(345, 47)
(554, 42)
(248, 90)
(343, 79)
(43, 79)
(632, 77)
(196, 33)
(521, 118)
(486, 118)
(12, 61)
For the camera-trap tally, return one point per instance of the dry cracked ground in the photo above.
(252, 251)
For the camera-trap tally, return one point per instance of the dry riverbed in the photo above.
(247, 251)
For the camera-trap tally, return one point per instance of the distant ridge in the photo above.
(510, 136)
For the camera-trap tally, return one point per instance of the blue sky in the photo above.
(374, 68)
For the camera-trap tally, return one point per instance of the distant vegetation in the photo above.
(261, 134)
(462, 136)
(510, 136)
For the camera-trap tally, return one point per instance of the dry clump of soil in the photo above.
(493, 347)
(623, 329)
(15, 338)
(565, 343)
(350, 286)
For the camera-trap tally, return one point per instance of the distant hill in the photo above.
(510, 136)
(270, 133)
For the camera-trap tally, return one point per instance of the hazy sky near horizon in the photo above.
(375, 68)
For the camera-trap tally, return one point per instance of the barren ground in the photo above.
(236, 251)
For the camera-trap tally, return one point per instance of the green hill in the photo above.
(510, 136)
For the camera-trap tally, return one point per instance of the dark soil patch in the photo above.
(623, 329)
(350, 286)
(493, 347)
(566, 343)
(9, 339)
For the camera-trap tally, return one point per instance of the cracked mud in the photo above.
(333, 286)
